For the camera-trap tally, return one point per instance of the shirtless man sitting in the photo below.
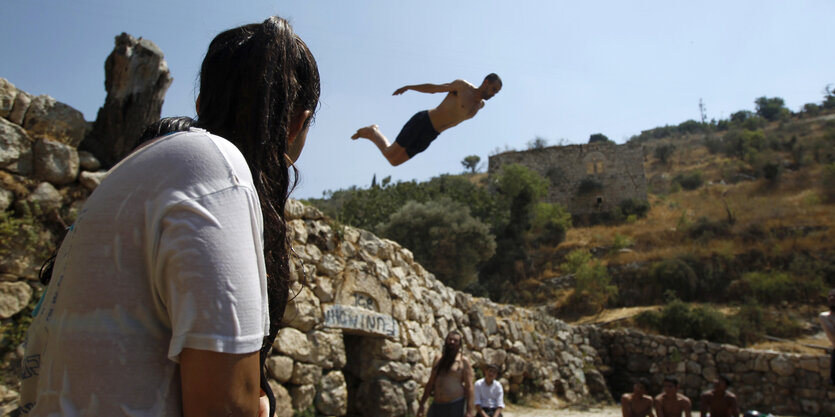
(450, 383)
(462, 102)
(718, 402)
(637, 403)
(670, 403)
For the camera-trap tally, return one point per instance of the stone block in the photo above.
(47, 118)
(15, 148)
(293, 343)
(280, 368)
(55, 162)
(332, 398)
(304, 374)
(303, 396)
(283, 401)
(14, 297)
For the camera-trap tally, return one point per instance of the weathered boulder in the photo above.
(304, 373)
(19, 108)
(381, 397)
(136, 79)
(6, 199)
(88, 161)
(15, 148)
(91, 180)
(14, 296)
(280, 368)
(283, 401)
(55, 162)
(332, 399)
(8, 92)
(294, 344)
(48, 118)
(303, 396)
(43, 199)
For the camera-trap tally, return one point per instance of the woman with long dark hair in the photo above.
(174, 276)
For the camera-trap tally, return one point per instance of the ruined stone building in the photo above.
(586, 179)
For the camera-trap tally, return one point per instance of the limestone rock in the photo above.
(302, 310)
(332, 398)
(91, 180)
(45, 198)
(302, 396)
(294, 209)
(304, 373)
(8, 92)
(55, 162)
(88, 161)
(19, 108)
(136, 79)
(328, 349)
(782, 366)
(15, 148)
(283, 401)
(6, 199)
(280, 367)
(48, 118)
(294, 344)
(14, 296)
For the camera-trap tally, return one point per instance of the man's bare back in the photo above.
(676, 405)
(634, 405)
(720, 405)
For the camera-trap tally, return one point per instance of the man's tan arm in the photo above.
(687, 407)
(659, 409)
(427, 390)
(625, 409)
(469, 390)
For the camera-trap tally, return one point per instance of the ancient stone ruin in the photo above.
(586, 179)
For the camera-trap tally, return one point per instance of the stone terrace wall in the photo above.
(378, 368)
(763, 380)
(619, 168)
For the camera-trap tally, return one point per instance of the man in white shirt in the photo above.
(489, 394)
(827, 319)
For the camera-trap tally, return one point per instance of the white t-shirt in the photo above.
(166, 254)
(489, 396)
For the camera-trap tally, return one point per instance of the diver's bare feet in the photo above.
(368, 132)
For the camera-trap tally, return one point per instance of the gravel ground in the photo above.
(520, 411)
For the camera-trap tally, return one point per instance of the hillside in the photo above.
(739, 227)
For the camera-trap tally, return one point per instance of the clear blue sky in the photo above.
(570, 68)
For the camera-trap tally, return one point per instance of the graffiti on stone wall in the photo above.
(359, 320)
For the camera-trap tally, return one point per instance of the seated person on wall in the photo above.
(489, 394)
(670, 403)
(718, 402)
(637, 403)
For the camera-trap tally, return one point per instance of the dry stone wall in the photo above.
(618, 169)
(779, 383)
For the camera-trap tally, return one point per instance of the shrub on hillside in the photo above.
(634, 207)
(773, 287)
(678, 319)
(593, 288)
(444, 238)
(705, 228)
(674, 275)
(772, 108)
(828, 183)
(663, 152)
(689, 180)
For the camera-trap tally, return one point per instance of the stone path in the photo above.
(519, 411)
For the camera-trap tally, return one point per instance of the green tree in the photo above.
(593, 287)
(444, 238)
(770, 108)
(537, 143)
(598, 137)
(471, 163)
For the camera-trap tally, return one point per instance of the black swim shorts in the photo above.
(417, 134)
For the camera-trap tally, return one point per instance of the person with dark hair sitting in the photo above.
(719, 402)
(637, 403)
(489, 394)
(167, 293)
(671, 403)
(462, 101)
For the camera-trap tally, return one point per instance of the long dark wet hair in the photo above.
(449, 353)
(255, 79)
